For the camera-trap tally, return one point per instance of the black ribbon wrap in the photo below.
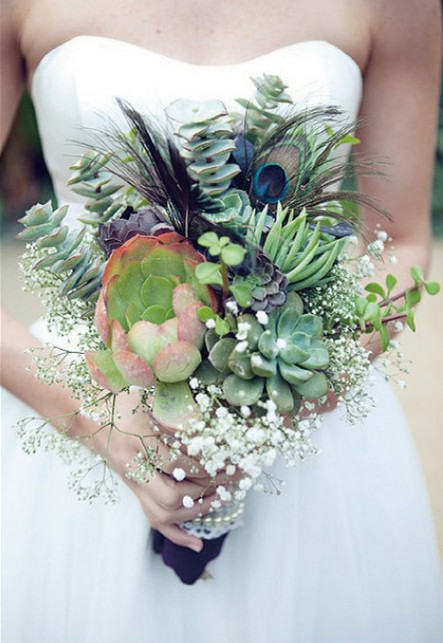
(187, 564)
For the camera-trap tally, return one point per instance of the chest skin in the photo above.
(206, 32)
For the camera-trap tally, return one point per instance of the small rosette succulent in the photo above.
(147, 222)
(282, 360)
(147, 314)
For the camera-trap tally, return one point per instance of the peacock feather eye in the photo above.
(270, 183)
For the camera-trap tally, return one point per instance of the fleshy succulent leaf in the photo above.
(262, 366)
(190, 328)
(104, 371)
(318, 358)
(280, 393)
(315, 387)
(146, 338)
(294, 374)
(183, 295)
(133, 368)
(254, 332)
(267, 345)
(310, 324)
(174, 404)
(157, 290)
(239, 391)
(240, 364)
(119, 339)
(176, 362)
(220, 352)
(287, 322)
(293, 354)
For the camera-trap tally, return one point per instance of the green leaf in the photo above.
(412, 297)
(157, 291)
(432, 287)
(207, 374)
(204, 313)
(233, 254)
(173, 403)
(349, 139)
(294, 375)
(254, 332)
(242, 292)
(222, 327)
(287, 322)
(372, 312)
(417, 275)
(391, 282)
(318, 358)
(292, 354)
(209, 240)
(385, 338)
(209, 273)
(410, 319)
(360, 306)
(376, 288)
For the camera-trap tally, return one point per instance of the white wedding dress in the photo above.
(346, 554)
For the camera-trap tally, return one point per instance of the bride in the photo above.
(347, 553)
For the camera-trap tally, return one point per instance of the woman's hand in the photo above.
(162, 495)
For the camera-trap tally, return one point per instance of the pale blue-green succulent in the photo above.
(283, 361)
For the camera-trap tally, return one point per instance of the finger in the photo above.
(180, 537)
(169, 493)
(197, 511)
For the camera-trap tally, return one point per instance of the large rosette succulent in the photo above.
(147, 315)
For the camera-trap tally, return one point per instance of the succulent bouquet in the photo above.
(213, 273)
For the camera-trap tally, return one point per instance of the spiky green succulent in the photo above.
(68, 254)
(304, 251)
(283, 360)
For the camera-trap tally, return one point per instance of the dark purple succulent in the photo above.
(147, 221)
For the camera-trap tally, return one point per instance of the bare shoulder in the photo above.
(408, 31)
(12, 64)
(12, 10)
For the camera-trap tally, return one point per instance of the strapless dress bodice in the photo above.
(75, 86)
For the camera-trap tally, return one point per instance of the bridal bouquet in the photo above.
(215, 272)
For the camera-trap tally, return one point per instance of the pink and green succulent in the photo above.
(147, 316)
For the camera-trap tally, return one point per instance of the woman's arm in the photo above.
(399, 110)
(161, 499)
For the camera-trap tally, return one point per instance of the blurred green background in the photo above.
(24, 179)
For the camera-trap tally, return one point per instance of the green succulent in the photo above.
(282, 360)
(262, 109)
(69, 254)
(93, 181)
(301, 250)
(206, 135)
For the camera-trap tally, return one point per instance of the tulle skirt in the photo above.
(346, 553)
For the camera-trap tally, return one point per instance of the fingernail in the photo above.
(195, 547)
